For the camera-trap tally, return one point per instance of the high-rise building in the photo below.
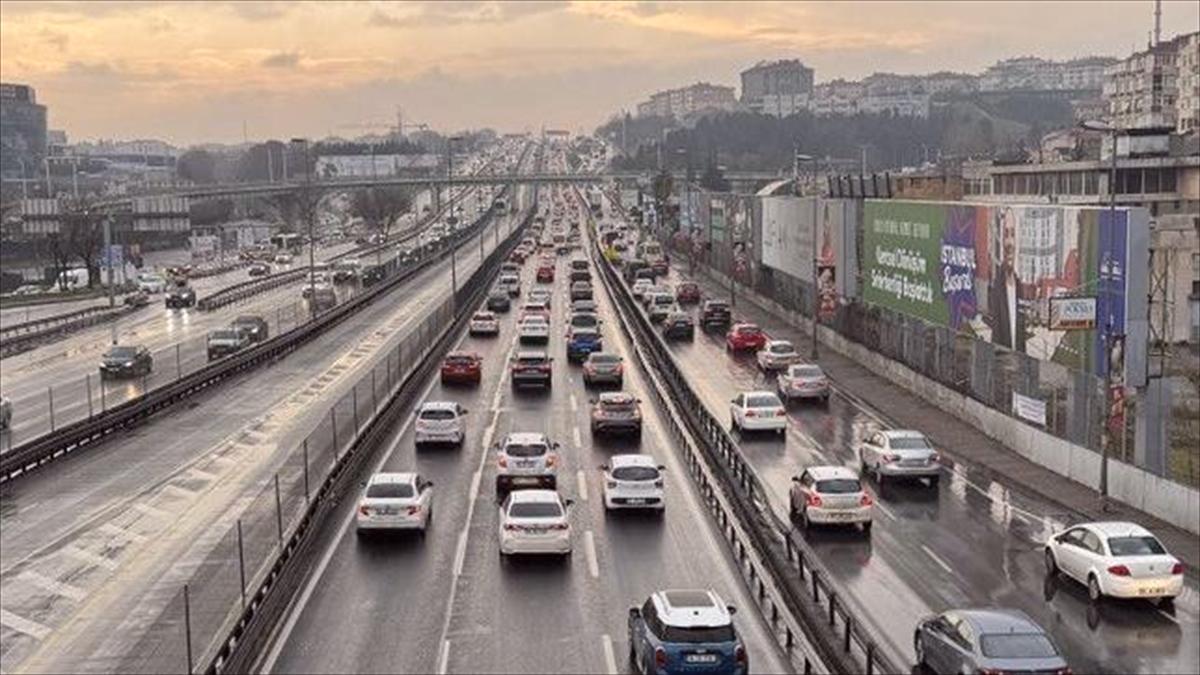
(775, 87)
(1034, 74)
(1157, 87)
(22, 130)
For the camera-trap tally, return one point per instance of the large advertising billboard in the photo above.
(788, 226)
(991, 270)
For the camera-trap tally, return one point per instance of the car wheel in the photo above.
(934, 480)
(866, 527)
(862, 465)
(1051, 564)
(1093, 586)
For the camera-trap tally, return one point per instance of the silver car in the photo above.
(899, 453)
(803, 380)
(985, 641)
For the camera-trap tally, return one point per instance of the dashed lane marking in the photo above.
(20, 624)
(589, 549)
(582, 478)
(575, 437)
(941, 563)
(53, 585)
(610, 659)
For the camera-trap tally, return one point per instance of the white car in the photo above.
(899, 453)
(534, 328)
(395, 501)
(1115, 559)
(777, 355)
(525, 459)
(151, 283)
(283, 259)
(633, 482)
(540, 295)
(440, 422)
(484, 323)
(535, 521)
(758, 411)
(511, 284)
(830, 495)
(640, 287)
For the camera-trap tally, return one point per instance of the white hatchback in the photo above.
(395, 501)
(440, 422)
(535, 521)
(484, 323)
(777, 355)
(830, 495)
(633, 482)
(1115, 559)
(758, 411)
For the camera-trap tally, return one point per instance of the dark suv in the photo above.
(254, 326)
(715, 315)
(180, 295)
(679, 326)
(126, 361)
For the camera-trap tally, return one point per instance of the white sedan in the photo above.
(395, 501)
(484, 323)
(633, 482)
(534, 521)
(758, 411)
(1115, 559)
(777, 355)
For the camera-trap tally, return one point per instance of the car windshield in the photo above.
(748, 330)
(531, 360)
(910, 443)
(1017, 646)
(587, 335)
(225, 335)
(1130, 546)
(781, 349)
(583, 320)
(604, 358)
(838, 486)
(122, 352)
(763, 401)
(664, 300)
(635, 473)
(525, 449)
(437, 414)
(807, 371)
(695, 634)
(460, 360)
(619, 406)
(483, 317)
(389, 491)
(717, 306)
(535, 510)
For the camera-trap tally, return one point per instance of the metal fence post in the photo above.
(102, 402)
(88, 378)
(306, 469)
(278, 512)
(187, 627)
(333, 424)
(374, 394)
(50, 396)
(354, 404)
(241, 562)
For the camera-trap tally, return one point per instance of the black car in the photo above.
(632, 267)
(180, 295)
(715, 315)
(679, 326)
(259, 269)
(126, 361)
(372, 275)
(254, 326)
(498, 301)
(580, 275)
(226, 341)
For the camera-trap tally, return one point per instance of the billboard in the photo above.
(788, 225)
(991, 271)
(1067, 313)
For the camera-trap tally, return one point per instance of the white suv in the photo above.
(830, 495)
(535, 521)
(440, 422)
(395, 501)
(633, 482)
(526, 459)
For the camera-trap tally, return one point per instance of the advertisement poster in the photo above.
(1029, 409)
(1116, 386)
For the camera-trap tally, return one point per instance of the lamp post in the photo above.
(450, 205)
(308, 215)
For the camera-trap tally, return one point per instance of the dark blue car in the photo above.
(581, 342)
(685, 631)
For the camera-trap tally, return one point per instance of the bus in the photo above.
(287, 242)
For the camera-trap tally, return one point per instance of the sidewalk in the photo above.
(966, 443)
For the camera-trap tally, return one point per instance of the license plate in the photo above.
(385, 511)
(701, 658)
(635, 500)
(1150, 591)
(525, 480)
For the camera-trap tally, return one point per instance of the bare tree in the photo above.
(381, 207)
(85, 236)
(60, 257)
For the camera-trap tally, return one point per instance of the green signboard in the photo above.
(901, 252)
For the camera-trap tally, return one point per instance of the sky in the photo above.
(196, 72)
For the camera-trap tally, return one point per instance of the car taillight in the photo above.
(1119, 571)
(510, 527)
(812, 499)
(590, 370)
(658, 483)
(1177, 569)
(781, 411)
(933, 457)
(414, 510)
(751, 413)
(559, 526)
(364, 509)
(660, 657)
(503, 461)
(739, 654)
(551, 460)
(617, 369)
(865, 500)
(888, 459)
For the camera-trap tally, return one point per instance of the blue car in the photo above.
(685, 631)
(581, 342)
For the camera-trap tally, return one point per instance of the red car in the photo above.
(462, 368)
(517, 256)
(745, 337)
(687, 292)
(545, 274)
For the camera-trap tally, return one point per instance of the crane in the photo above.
(396, 129)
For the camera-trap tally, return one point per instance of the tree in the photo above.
(198, 166)
(662, 188)
(381, 207)
(85, 235)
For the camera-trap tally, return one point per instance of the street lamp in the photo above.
(450, 205)
(308, 215)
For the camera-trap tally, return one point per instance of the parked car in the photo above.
(616, 412)
(531, 368)
(601, 368)
(484, 323)
(526, 459)
(1116, 560)
(259, 269)
(225, 341)
(535, 522)
(462, 368)
(633, 482)
(985, 641)
(499, 301)
(776, 355)
(255, 327)
(758, 411)
(899, 453)
(745, 337)
(830, 495)
(803, 380)
(685, 631)
(395, 501)
(715, 315)
(678, 325)
(687, 293)
(180, 295)
(440, 422)
(126, 361)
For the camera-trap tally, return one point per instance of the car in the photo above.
(985, 640)
(583, 305)
(634, 266)
(582, 341)
(1116, 560)
(803, 380)
(395, 501)
(258, 269)
(603, 368)
(633, 482)
(138, 298)
(578, 275)
(898, 453)
(745, 337)
(616, 412)
(660, 306)
(646, 273)
(462, 368)
(535, 522)
(830, 495)
(510, 283)
(440, 422)
(180, 295)
(581, 290)
(150, 282)
(584, 320)
(650, 294)
(579, 264)
(126, 361)
(535, 308)
(776, 355)
(758, 411)
(526, 459)
(687, 293)
(484, 323)
(545, 274)
(685, 631)
(639, 288)
(499, 301)
(283, 259)
(322, 297)
(517, 256)
(509, 267)
(715, 315)
(348, 269)
(254, 327)
(6, 412)
(531, 368)
(678, 325)
(541, 295)
(534, 328)
(225, 341)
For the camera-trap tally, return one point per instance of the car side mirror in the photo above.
(731, 609)
(464, 411)
(428, 483)
(662, 467)
(362, 483)
(734, 401)
(568, 502)
(603, 467)
(795, 479)
(635, 613)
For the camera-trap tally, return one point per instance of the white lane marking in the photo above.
(610, 659)
(582, 478)
(87, 556)
(147, 510)
(117, 532)
(53, 585)
(884, 510)
(444, 658)
(941, 563)
(574, 404)
(460, 553)
(576, 438)
(589, 548)
(20, 624)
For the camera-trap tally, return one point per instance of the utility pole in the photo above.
(270, 164)
(108, 254)
(306, 203)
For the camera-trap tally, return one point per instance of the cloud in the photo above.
(287, 60)
(439, 14)
(55, 38)
(384, 20)
(259, 11)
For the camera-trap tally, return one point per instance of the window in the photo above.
(1151, 180)
(390, 491)
(1017, 646)
(1167, 181)
(1091, 542)
(1129, 546)
(535, 510)
(1091, 183)
(839, 486)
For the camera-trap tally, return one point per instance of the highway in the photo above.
(974, 540)
(453, 604)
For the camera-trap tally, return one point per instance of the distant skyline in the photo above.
(194, 72)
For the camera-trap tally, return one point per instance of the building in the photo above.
(696, 98)
(1029, 73)
(945, 82)
(773, 88)
(1187, 101)
(22, 131)
(1144, 89)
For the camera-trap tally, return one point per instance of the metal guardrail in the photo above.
(778, 561)
(26, 335)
